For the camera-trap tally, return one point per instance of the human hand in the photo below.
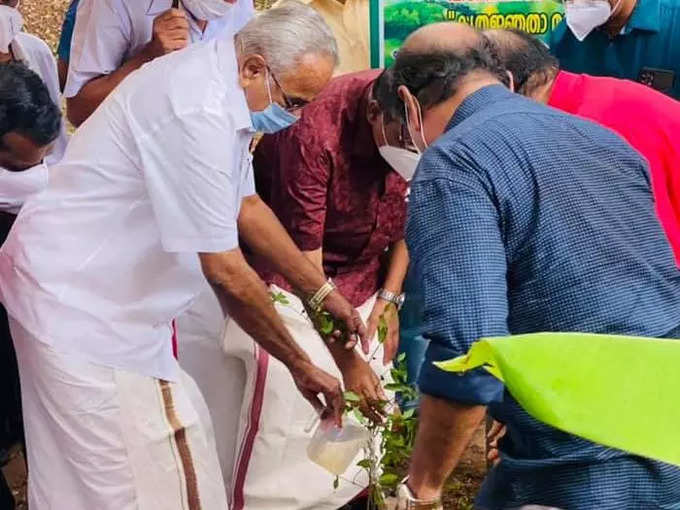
(496, 432)
(391, 316)
(359, 378)
(355, 330)
(312, 382)
(170, 33)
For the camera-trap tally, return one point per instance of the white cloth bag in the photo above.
(272, 470)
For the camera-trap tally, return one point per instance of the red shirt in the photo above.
(327, 183)
(647, 119)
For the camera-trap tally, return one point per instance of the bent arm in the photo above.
(91, 95)
(248, 301)
(397, 268)
(459, 256)
(264, 234)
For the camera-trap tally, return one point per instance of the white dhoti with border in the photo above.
(272, 470)
(108, 439)
(221, 378)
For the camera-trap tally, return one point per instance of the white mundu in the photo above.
(96, 269)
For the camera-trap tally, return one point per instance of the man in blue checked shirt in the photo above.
(523, 219)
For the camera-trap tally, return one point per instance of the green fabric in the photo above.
(618, 391)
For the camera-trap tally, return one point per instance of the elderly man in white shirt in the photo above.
(112, 38)
(149, 198)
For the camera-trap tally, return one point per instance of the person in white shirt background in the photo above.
(29, 124)
(111, 39)
(20, 47)
(97, 267)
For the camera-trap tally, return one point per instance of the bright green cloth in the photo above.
(618, 391)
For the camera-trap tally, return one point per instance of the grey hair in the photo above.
(284, 34)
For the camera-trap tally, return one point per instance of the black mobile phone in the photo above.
(659, 79)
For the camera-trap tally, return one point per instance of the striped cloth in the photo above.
(524, 219)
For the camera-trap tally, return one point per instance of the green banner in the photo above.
(617, 391)
(393, 20)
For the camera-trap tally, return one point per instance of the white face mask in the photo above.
(16, 187)
(11, 23)
(402, 161)
(584, 16)
(208, 10)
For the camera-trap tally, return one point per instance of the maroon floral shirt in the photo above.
(327, 183)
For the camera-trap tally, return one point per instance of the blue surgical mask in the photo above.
(273, 118)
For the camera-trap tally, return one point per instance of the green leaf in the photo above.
(366, 464)
(350, 396)
(398, 387)
(279, 297)
(389, 479)
(359, 416)
(401, 358)
(382, 329)
(409, 414)
(326, 325)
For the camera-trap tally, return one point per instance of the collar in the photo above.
(567, 92)
(646, 16)
(157, 7)
(478, 101)
(228, 66)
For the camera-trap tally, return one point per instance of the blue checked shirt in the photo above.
(525, 219)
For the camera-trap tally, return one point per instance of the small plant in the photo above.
(390, 442)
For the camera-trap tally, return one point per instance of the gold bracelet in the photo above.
(318, 298)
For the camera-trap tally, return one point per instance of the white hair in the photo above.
(285, 34)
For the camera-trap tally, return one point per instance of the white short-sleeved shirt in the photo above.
(39, 58)
(100, 263)
(109, 32)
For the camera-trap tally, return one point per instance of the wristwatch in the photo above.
(406, 500)
(391, 297)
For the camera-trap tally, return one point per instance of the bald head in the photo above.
(435, 59)
(526, 57)
(444, 36)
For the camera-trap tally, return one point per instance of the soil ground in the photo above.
(43, 18)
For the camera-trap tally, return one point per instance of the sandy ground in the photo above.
(43, 18)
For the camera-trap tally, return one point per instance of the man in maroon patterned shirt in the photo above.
(345, 207)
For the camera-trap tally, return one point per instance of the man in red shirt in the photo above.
(328, 181)
(647, 119)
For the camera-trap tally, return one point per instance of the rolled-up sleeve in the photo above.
(101, 40)
(454, 238)
(193, 171)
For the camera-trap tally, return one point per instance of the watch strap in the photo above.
(391, 297)
(406, 500)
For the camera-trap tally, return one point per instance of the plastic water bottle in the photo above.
(335, 448)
